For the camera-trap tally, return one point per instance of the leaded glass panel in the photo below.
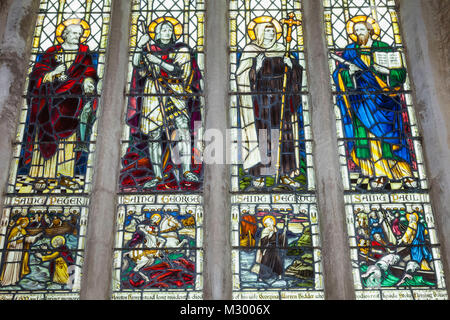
(45, 215)
(158, 250)
(394, 246)
(275, 236)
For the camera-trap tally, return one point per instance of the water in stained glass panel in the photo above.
(45, 215)
(275, 234)
(43, 248)
(395, 250)
(276, 245)
(158, 250)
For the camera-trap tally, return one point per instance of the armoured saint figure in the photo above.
(164, 71)
(373, 114)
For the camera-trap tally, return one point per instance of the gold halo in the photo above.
(177, 26)
(408, 215)
(263, 19)
(56, 238)
(269, 217)
(353, 21)
(156, 214)
(60, 29)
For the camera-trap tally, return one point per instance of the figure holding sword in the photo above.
(353, 68)
(164, 81)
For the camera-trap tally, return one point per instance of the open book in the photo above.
(390, 60)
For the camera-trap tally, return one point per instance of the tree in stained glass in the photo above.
(395, 250)
(160, 214)
(276, 247)
(45, 215)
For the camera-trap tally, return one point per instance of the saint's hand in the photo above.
(143, 40)
(259, 61)
(153, 59)
(288, 62)
(353, 69)
(89, 86)
(58, 72)
(59, 69)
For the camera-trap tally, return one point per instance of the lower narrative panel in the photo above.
(42, 247)
(394, 246)
(277, 250)
(158, 251)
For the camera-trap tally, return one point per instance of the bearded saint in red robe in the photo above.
(61, 102)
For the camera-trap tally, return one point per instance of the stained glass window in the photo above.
(45, 215)
(158, 251)
(275, 234)
(394, 246)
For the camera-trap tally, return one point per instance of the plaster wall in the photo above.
(217, 273)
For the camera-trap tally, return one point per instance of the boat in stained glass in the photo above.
(276, 246)
(394, 245)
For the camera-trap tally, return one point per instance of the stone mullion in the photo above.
(338, 282)
(217, 267)
(97, 270)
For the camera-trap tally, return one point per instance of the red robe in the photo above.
(55, 107)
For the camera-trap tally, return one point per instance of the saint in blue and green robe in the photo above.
(372, 114)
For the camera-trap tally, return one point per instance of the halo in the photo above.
(412, 214)
(56, 238)
(156, 214)
(269, 217)
(177, 26)
(60, 29)
(21, 220)
(357, 19)
(263, 19)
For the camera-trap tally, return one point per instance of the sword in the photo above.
(343, 61)
(347, 63)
